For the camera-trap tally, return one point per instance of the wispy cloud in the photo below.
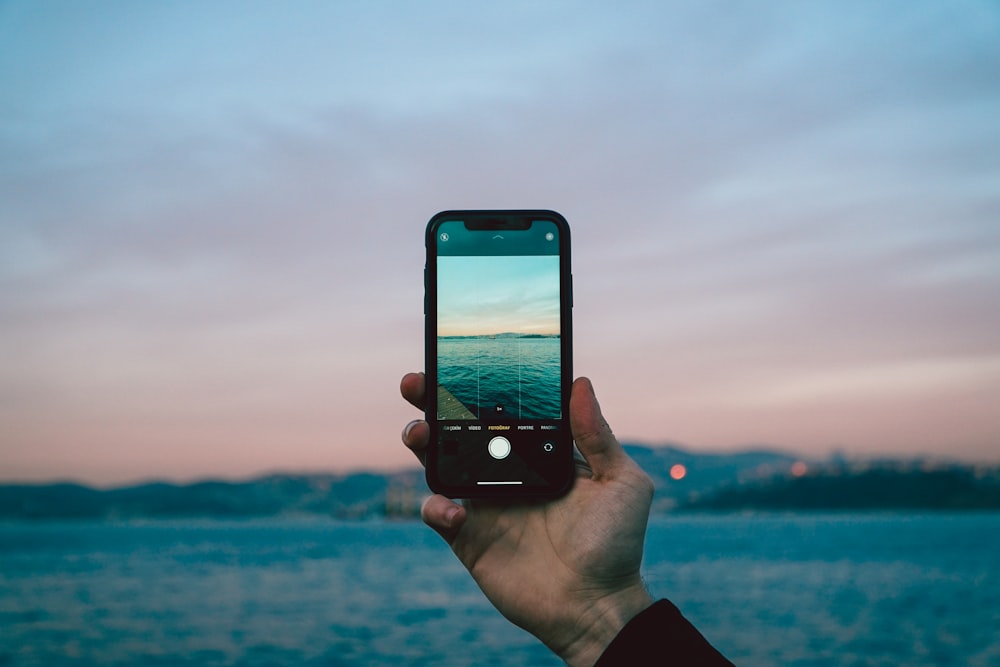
(211, 226)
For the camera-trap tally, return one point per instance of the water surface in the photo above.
(520, 374)
(790, 590)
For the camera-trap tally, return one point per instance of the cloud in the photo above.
(230, 213)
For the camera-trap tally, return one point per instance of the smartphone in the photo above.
(498, 311)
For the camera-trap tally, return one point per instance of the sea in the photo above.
(766, 589)
(520, 374)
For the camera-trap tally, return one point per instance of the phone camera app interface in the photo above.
(498, 320)
(500, 356)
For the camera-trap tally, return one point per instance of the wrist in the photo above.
(600, 623)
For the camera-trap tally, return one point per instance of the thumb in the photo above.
(592, 433)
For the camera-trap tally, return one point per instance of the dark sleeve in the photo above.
(660, 636)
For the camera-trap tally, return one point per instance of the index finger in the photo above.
(413, 388)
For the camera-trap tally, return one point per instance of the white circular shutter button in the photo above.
(499, 447)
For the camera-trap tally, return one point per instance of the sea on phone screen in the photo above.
(518, 372)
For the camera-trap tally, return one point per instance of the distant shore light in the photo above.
(678, 471)
(799, 468)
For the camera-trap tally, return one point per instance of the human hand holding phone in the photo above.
(565, 570)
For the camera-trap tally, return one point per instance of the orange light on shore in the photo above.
(678, 471)
(799, 468)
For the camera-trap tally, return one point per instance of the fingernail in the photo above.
(449, 516)
(408, 428)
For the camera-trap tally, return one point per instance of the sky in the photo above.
(480, 295)
(785, 221)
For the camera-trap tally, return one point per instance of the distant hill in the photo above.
(344, 496)
(751, 479)
(888, 486)
(703, 473)
(505, 334)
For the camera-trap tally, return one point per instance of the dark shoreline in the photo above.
(893, 487)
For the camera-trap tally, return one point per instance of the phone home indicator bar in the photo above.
(498, 483)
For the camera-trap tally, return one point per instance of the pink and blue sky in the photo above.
(786, 221)
(481, 296)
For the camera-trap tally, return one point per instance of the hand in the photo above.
(565, 570)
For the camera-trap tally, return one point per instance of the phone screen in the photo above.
(499, 353)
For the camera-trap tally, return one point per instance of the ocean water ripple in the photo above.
(521, 374)
(806, 590)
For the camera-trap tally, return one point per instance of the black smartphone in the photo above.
(498, 354)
